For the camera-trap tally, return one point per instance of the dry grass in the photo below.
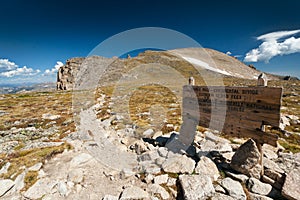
(28, 158)
(24, 110)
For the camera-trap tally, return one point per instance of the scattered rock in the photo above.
(207, 146)
(258, 187)
(291, 189)
(110, 197)
(179, 164)
(246, 160)
(62, 188)
(161, 179)
(76, 175)
(80, 159)
(148, 133)
(207, 167)
(5, 168)
(35, 167)
(234, 188)
(149, 156)
(5, 186)
(157, 189)
(50, 116)
(239, 177)
(125, 173)
(139, 147)
(270, 152)
(134, 193)
(19, 183)
(196, 186)
(219, 196)
(220, 189)
(40, 188)
(253, 196)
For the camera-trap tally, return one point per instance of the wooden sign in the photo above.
(237, 111)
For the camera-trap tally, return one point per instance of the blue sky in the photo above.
(35, 36)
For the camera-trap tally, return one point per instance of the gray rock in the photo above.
(258, 187)
(219, 196)
(207, 167)
(291, 189)
(270, 152)
(171, 181)
(62, 188)
(239, 177)
(163, 151)
(19, 183)
(134, 193)
(5, 186)
(253, 196)
(234, 188)
(125, 173)
(76, 175)
(148, 133)
(179, 164)
(269, 164)
(110, 197)
(5, 168)
(196, 186)
(149, 156)
(161, 179)
(220, 189)
(50, 116)
(246, 160)
(216, 139)
(157, 189)
(80, 159)
(35, 167)
(207, 146)
(40, 188)
(140, 147)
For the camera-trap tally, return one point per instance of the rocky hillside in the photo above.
(44, 157)
(187, 62)
(50, 150)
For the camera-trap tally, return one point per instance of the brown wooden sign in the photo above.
(237, 111)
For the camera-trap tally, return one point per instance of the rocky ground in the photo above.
(99, 161)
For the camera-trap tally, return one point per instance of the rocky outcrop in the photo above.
(291, 189)
(246, 160)
(66, 74)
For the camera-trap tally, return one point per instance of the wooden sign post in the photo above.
(235, 111)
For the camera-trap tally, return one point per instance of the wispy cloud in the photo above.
(274, 44)
(10, 69)
(49, 72)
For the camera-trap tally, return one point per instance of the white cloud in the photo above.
(6, 65)
(24, 71)
(271, 46)
(10, 69)
(277, 35)
(52, 71)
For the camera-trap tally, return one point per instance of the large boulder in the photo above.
(134, 193)
(234, 188)
(246, 160)
(291, 189)
(179, 164)
(5, 186)
(196, 186)
(258, 187)
(207, 167)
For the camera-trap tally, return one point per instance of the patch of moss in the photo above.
(30, 179)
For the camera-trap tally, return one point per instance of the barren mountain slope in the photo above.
(217, 61)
